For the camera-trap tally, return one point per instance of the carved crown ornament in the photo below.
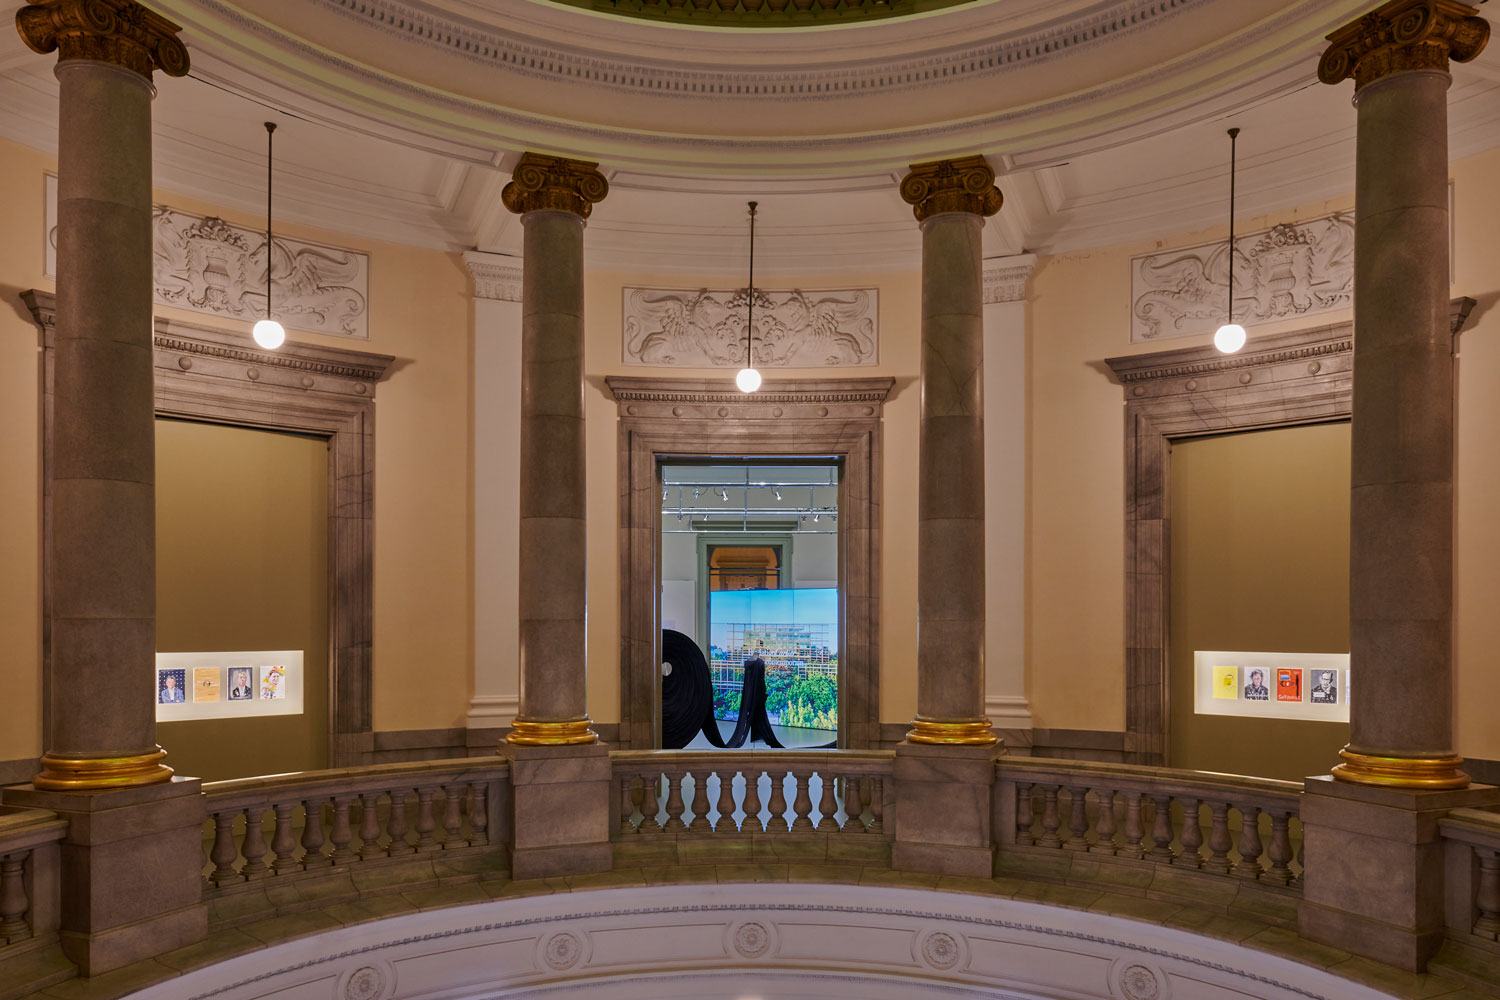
(120, 32)
(1403, 35)
(966, 184)
(542, 182)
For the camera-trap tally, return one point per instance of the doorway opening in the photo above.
(750, 576)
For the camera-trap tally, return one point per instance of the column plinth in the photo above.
(553, 196)
(103, 555)
(1401, 504)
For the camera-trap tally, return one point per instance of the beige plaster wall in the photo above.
(900, 299)
(419, 307)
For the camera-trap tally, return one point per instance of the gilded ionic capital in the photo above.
(556, 183)
(966, 184)
(1403, 35)
(121, 32)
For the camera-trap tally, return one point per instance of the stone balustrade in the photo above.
(29, 877)
(1471, 854)
(314, 821)
(1238, 827)
(725, 793)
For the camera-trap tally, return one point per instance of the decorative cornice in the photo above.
(964, 184)
(494, 276)
(803, 399)
(554, 183)
(118, 32)
(1005, 278)
(1403, 35)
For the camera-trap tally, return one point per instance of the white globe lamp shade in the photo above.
(748, 380)
(1229, 338)
(268, 334)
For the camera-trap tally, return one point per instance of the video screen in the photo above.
(796, 633)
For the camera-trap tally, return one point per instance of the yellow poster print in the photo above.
(1226, 684)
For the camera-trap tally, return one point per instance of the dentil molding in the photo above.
(1005, 278)
(495, 276)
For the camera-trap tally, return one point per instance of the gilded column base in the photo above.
(77, 774)
(965, 732)
(1431, 773)
(569, 732)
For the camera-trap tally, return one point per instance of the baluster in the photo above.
(479, 815)
(369, 826)
(1161, 829)
(1050, 820)
(1134, 829)
(877, 805)
(627, 804)
(802, 803)
(854, 806)
(453, 817)
(700, 821)
(312, 834)
(753, 823)
(649, 806)
(1105, 844)
(396, 828)
(674, 801)
(1192, 836)
(726, 802)
(1281, 847)
(254, 845)
(777, 823)
(827, 804)
(1219, 840)
(1078, 820)
(13, 901)
(284, 842)
(1250, 847)
(1024, 818)
(425, 823)
(224, 853)
(1301, 855)
(341, 834)
(1487, 894)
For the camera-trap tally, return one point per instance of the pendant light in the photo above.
(268, 333)
(749, 379)
(1231, 336)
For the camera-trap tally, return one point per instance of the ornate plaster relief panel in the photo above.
(708, 328)
(205, 265)
(1290, 270)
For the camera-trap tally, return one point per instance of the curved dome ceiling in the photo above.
(1028, 79)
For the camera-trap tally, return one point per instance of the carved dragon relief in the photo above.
(206, 265)
(707, 328)
(1293, 269)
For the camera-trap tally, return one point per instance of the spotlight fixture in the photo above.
(778, 494)
(697, 492)
(749, 379)
(268, 333)
(664, 494)
(724, 495)
(815, 518)
(1231, 336)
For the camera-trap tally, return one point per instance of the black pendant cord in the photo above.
(270, 128)
(750, 315)
(1233, 142)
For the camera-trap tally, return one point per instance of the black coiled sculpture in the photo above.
(687, 698)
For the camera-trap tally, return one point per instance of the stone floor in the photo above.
(1255, 919)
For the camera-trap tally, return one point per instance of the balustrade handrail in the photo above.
(848, 761)
(22, 829)
(1147, 778)
(1479, 827)
(237, 792)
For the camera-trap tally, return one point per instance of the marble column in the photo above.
(497, 456)
(945, 767)
(103, 558)
(560, 772)
(1379, 809)
(951, 199)
(553, 196)
(1401, 507)
(1005, 701)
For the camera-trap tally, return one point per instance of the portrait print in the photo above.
(1325, 689)
(273, 683)
(241, 684)
(171, 686)
(1255, 684)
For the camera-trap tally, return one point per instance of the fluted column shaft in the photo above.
(1401, 505)
(951, 199)
(553, 197)
(103, 560)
